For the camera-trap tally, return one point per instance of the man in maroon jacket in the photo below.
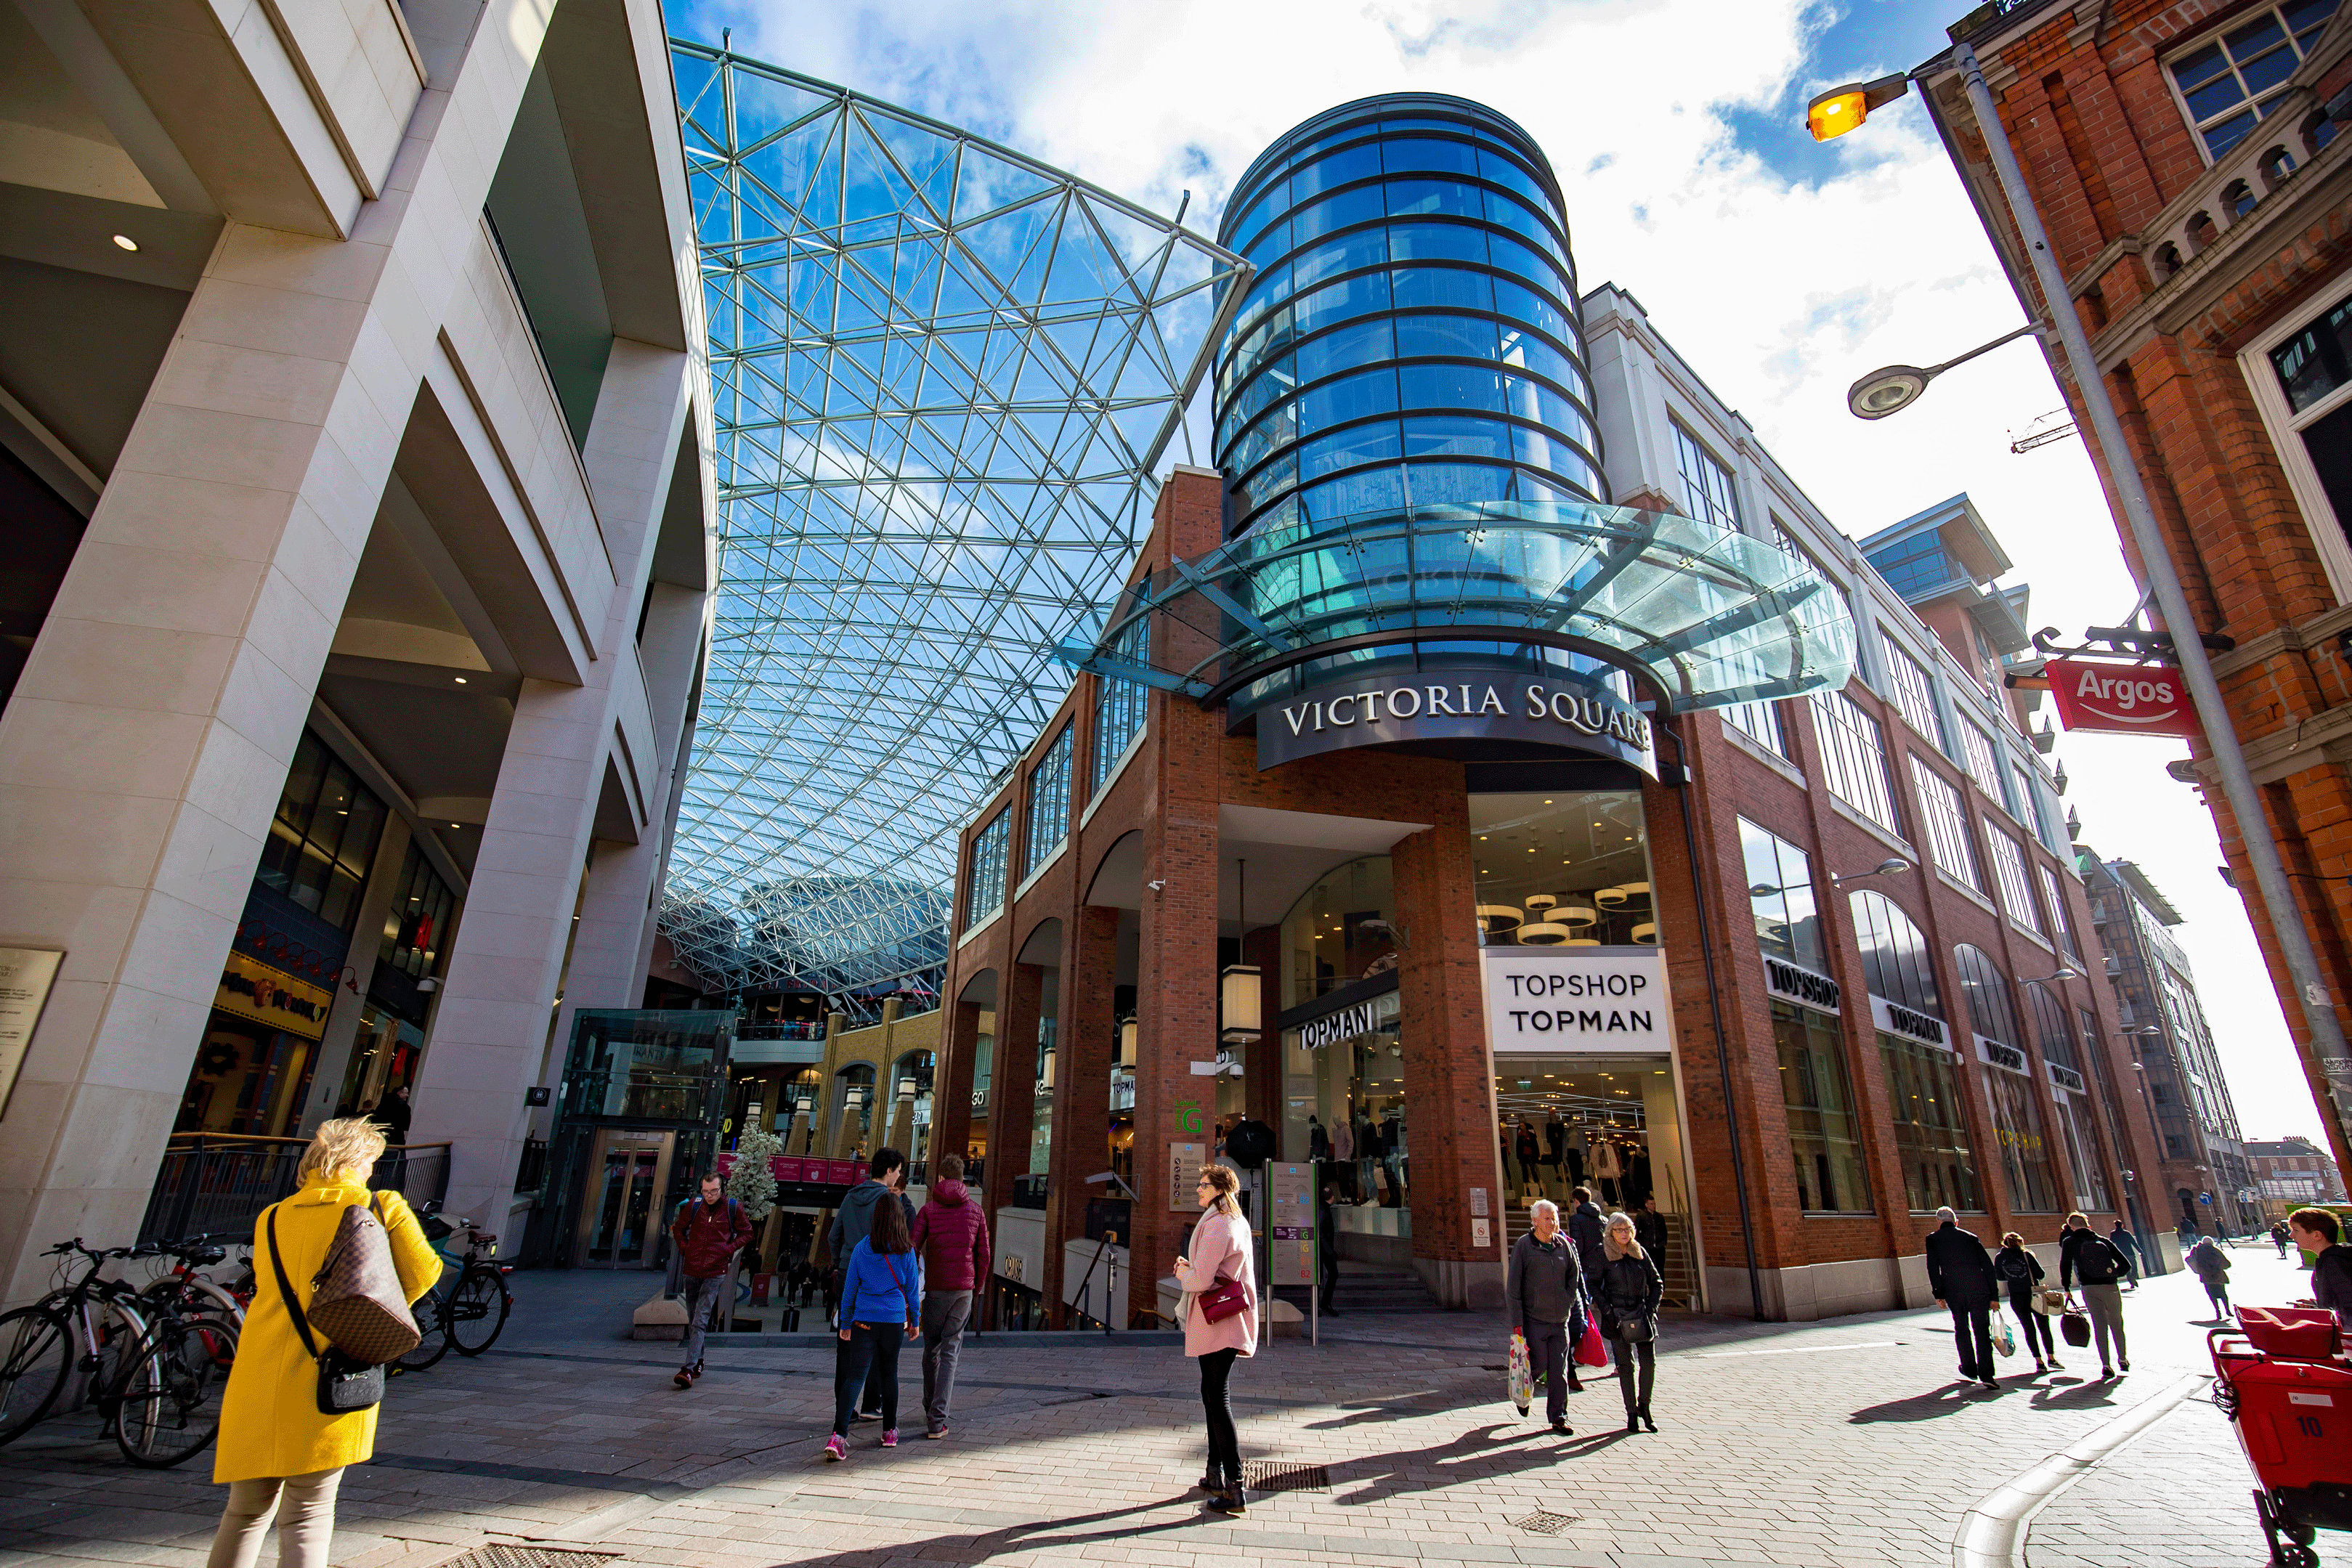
(708, 1232)
(952, 1238)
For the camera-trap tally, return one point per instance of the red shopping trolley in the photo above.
(2282, 1379)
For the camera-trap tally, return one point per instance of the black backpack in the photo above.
(2098, 1261)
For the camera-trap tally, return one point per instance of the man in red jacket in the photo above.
(708, 1232)
(952, 1238)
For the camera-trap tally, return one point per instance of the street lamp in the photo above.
(1893, 388)
(2064, 972)
(1889, 867)
(1842, 108)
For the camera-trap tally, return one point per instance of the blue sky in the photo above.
(1781, 269)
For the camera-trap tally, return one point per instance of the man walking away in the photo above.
(1326, 1248)
(1584, 1228)
(852, 1223)
(2126, 1243)
(2279, 1237)
(708, 1231)
(2212, 1267)
(1543, 1300)
(1960, 1273)
(2317, 1231)
(952, 1238)
(2084, 1251)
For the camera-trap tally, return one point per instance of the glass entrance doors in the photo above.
(621, 1222)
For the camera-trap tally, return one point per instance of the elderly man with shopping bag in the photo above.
(1543, 1301)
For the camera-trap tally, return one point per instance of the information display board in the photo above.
(1290, 1224)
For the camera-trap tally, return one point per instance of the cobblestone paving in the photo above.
(1847, 1443)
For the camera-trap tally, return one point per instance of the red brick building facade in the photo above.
(2185, 164)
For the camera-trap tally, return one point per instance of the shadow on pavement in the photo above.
(1482, 1453)
(1945, 1401)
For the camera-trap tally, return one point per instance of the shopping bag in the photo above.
(2048, 1303)
(2074, 1327)
(1521, 1377)
(1590, 1349)
(2004, 1338)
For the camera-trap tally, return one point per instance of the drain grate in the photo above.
(1542, 1523)
(497, 1555)
(1266, 1475)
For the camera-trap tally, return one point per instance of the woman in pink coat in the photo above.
(1221, 1251)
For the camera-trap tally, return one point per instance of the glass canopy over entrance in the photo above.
(940, 375)
(1709, 615)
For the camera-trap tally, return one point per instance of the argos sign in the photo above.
(2128, 699)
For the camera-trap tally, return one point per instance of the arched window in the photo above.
(2239, 199)
(2049, 1028)
(1987, 992)
(1894, 955)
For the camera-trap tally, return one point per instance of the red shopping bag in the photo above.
(1590, 1350)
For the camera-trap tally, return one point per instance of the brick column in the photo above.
(1012, 1079)
(1088, 1039)
(1449, 1079)
(952, 1104)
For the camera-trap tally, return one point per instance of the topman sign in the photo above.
(1456, 706)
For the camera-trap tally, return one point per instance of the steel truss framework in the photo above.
(940, 375)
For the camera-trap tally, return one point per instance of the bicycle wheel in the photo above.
(477, 1308)
(170, 1402)
(433, 1317)
(36, 1353)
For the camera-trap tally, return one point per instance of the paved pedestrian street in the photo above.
(1847, 1442)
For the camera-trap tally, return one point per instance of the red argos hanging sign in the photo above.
(2127, 699)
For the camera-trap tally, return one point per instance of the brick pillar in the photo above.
(1013, 1079)
(1449, 1080)
(1088, 1039)
(951, 1103)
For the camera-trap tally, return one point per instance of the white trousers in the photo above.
(305, 1526)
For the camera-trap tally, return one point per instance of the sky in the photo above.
(1781, 269)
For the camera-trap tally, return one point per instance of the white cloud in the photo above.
(1779, 292)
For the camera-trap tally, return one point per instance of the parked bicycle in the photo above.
(154, 1369)
(465, 1312)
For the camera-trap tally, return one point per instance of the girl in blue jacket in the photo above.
(881, 1299)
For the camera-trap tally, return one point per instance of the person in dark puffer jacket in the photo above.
(952, 1238)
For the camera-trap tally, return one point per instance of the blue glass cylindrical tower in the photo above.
(1411, 335)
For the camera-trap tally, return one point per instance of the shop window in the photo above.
(1565, 870)
(1948, 825)
(1931, 1129)
(1986, 990)
(1780, 897)
(1049, 802)
(324, 835)
(2009, 872)
(2024, 1150)
(1759, 722)
(1823, 1135)
(1853, 758)
(2226, 84)
(984, 894)
(1915, 693)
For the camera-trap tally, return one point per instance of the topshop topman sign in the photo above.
(1455, 705)
(1570, 999)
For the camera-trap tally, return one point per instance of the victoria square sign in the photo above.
(1473, 706)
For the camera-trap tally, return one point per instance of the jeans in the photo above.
(1972, 1327)
(2105, 1306)
(869, 1355)
(1642, 1356)
(944, 1315)
(701, 1309)
(306, 1506)
(2021, 1302)
(1225, 1443)
(1548, 1348)
(2217, 1290)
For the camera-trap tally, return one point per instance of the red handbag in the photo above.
(1590, 1350)
(1223, 1299)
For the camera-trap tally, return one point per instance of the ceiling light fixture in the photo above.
(459, 679)
(126, 242)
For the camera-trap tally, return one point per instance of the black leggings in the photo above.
(2020, 1303)
(1225, 1444)
(1641, 1355)
(870, 1350)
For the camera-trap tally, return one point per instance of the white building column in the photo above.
(498, 998)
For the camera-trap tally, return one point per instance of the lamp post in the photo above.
(1841, 110)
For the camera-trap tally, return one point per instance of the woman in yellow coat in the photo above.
(275, 1444)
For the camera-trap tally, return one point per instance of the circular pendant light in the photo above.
(1609, 897)
(1576, 915)
(1498, 918)
(1636, 892)
(1646, 933)
(1545, 934)
(1582, 942)
(1540, 901)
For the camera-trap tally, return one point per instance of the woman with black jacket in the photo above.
(1626, 1291)
(2020, 1273)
